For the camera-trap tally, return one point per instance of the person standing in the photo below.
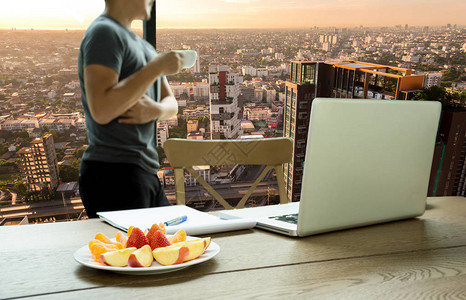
(124, 92)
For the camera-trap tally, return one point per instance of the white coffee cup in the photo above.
(189, 58)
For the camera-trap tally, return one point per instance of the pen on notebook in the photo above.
(176, 221)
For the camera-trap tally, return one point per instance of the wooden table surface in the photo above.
(421, 258)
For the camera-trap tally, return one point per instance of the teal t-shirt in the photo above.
(107, 42)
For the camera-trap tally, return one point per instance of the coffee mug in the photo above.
(189, 58)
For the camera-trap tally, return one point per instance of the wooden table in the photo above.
(413, 259)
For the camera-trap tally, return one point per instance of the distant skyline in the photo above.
(61, 14)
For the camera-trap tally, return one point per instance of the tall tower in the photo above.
(308, 80)
(197, 64)
(448, 174)
(223, 97)
(38, 164)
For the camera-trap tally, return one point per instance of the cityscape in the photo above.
(246, 83)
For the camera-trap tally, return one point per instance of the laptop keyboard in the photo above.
(291, 218)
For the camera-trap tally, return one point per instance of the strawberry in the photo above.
(158, 239)
(152, 231)
(137, 239)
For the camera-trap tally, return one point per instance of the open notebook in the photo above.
(197, 223)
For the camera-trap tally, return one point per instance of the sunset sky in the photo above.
(242, 13)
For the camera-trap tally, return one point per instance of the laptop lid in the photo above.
(367, 162)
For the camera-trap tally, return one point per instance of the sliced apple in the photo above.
(117, 258)
(196, 248)
(142, 257)
(170, 255)
(206, 242)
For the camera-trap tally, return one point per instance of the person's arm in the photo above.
(168, 102)
(109, 98)
(146, 109)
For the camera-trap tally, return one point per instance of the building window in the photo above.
(302, 115)
(309, 74)
(293, 72)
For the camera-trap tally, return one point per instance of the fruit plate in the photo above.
(84, 257)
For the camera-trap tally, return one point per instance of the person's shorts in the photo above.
(118, 186)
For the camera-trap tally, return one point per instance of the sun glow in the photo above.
(242, 13)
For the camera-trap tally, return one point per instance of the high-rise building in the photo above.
(326, 46)
(432, 78)
(223, 96)
(332, 39)
(201, 91)
(38, 165)
(246, 95)
(448, 174)
(162, 134)
(308, 80)
(197, 64)
(350, 79)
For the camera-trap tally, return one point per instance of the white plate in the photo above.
(84, 257)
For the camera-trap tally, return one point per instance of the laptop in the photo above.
(366, 162)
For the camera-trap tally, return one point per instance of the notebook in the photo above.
(366, 162)
(197, 222)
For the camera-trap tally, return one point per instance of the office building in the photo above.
(224, 111)
(192, 126)
(258, 95)
(432, 78)
(350, 79)
(248, 70)
(38, 165)
(308, 80)
(162, 134)
(448, 174)
(247, 95)
(326, 46)
(200, 91)
(332, 39)
(180, 89)
(355, 79)
(197, 64)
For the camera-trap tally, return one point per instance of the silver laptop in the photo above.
(367, 162)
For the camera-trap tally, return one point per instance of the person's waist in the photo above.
(148, 160)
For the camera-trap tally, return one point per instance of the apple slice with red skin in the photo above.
(196, 248)
(142, 257)
(206, 240)
(117, 258)
(170, 255)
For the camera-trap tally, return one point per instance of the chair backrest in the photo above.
(271, 152)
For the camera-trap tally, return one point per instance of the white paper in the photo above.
(198, 222)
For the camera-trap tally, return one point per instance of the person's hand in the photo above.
(170, 62)
(144, 111)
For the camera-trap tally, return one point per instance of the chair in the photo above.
(184, 154)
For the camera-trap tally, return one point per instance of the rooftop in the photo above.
(373, 68)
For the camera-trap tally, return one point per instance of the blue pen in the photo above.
(176, 221)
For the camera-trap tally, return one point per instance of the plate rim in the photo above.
(84, 257)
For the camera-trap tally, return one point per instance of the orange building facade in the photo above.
(355, 79)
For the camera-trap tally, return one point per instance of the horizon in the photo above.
(243, 14)
(237, 28)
